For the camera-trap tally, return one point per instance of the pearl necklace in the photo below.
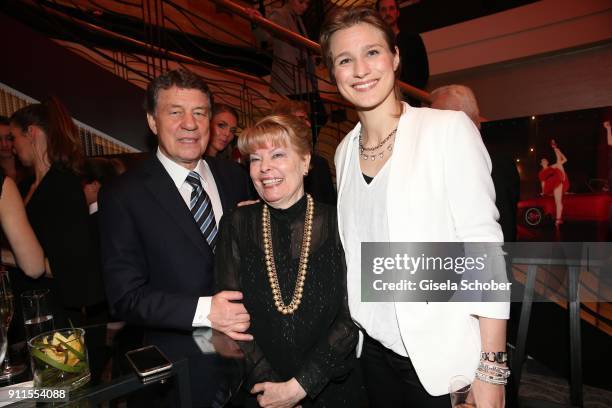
(362, 148)
(303, 265)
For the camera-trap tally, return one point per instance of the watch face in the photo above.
(494, 357)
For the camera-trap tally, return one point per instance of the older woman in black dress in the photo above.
(285, 255)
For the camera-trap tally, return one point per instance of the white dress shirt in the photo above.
(178, 174)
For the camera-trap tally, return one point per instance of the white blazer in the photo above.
(439, 190)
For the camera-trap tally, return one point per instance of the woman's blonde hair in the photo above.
(276, 130)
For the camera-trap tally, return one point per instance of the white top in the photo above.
(366, 202)
(178, 174)
(439, 190)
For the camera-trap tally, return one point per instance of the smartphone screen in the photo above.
(148, 360)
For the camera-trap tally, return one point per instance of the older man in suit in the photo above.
(158, 226)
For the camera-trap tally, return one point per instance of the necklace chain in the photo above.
(303, 265)
(363, 149)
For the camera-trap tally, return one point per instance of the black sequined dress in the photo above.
(315, 344)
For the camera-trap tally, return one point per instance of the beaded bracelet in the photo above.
(491, 379)
(493, 369)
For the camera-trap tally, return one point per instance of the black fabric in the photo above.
(391, 380)
(58, 214)
(156, 261)
(316, 344)
(367, 178)
(318, 183)
(415, 65)
(507, 183)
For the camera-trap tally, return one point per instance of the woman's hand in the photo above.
(488, 395)
(279, 395)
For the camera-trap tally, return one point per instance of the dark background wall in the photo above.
(427, 15)
(38, 67)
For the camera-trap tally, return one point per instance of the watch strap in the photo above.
(500, 357)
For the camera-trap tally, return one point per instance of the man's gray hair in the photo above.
(458, 98)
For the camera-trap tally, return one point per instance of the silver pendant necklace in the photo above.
(363, 151)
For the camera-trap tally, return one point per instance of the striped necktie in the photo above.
(201, 209)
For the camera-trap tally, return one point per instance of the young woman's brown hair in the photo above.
(64, 145)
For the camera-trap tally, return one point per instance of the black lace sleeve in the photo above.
(227, 277)
(331, 358)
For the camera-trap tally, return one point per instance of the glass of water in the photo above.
(7, 309)
(37, 314)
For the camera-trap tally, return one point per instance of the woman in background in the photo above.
(47, 140)
(222, 130)
(554, 181)
(26, 251)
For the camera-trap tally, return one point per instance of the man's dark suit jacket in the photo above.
(156, 262)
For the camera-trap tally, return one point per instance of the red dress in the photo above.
(552, 177)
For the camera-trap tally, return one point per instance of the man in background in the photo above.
(506, 179)
(414, 62)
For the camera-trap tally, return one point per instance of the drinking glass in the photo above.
(7, 309)
(59, 359)
(459, 391)
(37, 314)
(3, 343)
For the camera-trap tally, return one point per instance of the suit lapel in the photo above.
(165, 193)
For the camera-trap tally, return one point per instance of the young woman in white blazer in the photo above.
(411, 175)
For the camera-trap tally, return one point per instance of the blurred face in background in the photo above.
(222, 131)
(299, 7)
(6, 142)
(388, 11)
(23, 144)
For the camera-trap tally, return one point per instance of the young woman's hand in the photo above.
(487, 395)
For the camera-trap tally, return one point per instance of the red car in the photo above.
(576, 207)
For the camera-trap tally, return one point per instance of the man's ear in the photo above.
(152, 123)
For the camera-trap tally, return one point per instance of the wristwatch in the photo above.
(500, 357)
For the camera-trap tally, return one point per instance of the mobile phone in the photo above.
(148, 360)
